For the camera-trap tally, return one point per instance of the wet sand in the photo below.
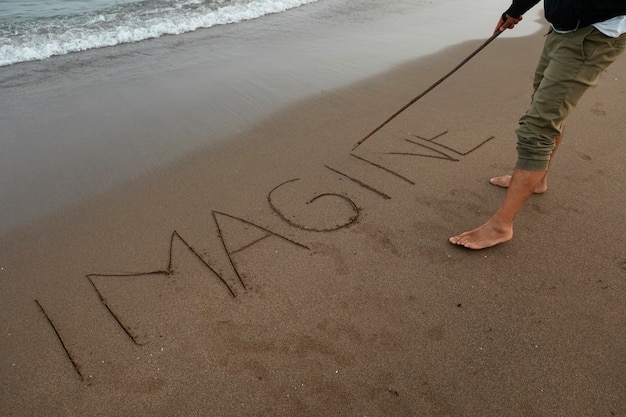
(277, 273)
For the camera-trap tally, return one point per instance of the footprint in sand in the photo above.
(583, 156)
(597, 109)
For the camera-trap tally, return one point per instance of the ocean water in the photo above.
(38, 29)
(33, 30)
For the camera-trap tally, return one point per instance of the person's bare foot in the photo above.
(485, 236)
(504, 181)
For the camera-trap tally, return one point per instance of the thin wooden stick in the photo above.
(480, 48)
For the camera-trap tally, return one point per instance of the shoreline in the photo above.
(95, 119)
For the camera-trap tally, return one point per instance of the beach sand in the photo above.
(277, 273)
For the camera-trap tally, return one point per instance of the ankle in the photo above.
(500, 223)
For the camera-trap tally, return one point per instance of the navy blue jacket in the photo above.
(572, 14)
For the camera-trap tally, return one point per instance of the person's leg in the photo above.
(499, 228)
(505, 180)
(576, 62)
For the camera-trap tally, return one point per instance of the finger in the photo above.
(510, 22)
(500, 26)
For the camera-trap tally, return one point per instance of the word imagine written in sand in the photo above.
(233, 286)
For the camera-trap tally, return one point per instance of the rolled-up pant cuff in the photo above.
(532, 164)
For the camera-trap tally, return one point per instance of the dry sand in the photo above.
(279, 274)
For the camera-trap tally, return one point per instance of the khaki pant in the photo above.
(569, 65)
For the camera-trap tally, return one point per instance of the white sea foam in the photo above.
(27, 39)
